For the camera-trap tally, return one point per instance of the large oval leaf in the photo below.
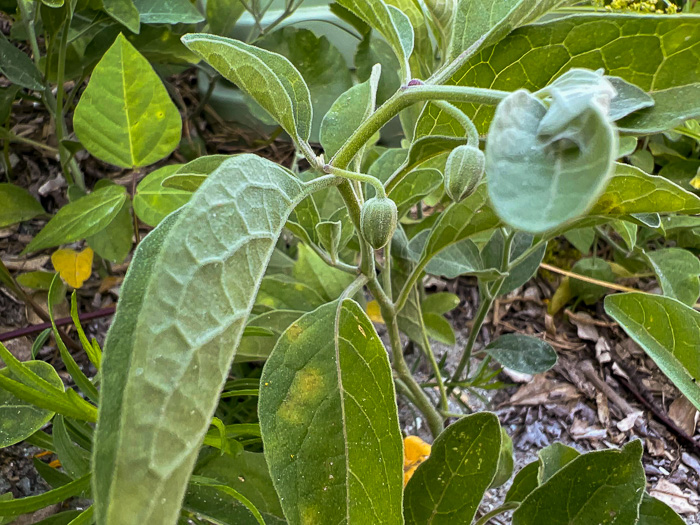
(329, 421)
(564, 172)
(153, 201)
(270, 79)
(598, 487)
(667, 330)
(678, 273)
(447, 488)
(523, 353)
(125, 116)
(183, 307)
(19, 419)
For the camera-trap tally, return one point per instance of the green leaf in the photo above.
(154, 201)
(598, 487)
(168, 351)
(346, 114)
(462, 258)
(672, 107)
(74, 459)
(232, 493)
(492, 255)
(524, 482)
(439, 328)
(414, 187)
(54, 477)
(329, 422)
(505, 461)
(167, 12)
(553, 458)
(114, 242)
(19, 419)
(477, 24)
(18, 67)
(285, 292)
(270, 79)
(440, 303)
(258, 347)
(320, 63)
(222, 15)
(628, 99)
(325, 280)
(82, 218)
(17, 205)
(459, 221)
(654, 512)
(36, 280)
(32, 503)
(667, 330)
(125, 115)
(631, 191)
(653, 52)
(678, 273)
(190, 176)
(374, 50)
(581, 238)
(124, 12)
(7, 97)
(523, 353)
(566, 169)
(329, 234)
(249, 475)
(449, 485)
(597, 269)
(389, 22)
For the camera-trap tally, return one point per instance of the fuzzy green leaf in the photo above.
(183, 308)
(654, 512)
(270, 79)
(565, 169)
(329, 422)
(667, 330)
(598, 487)
(448, 487)
(125, 116)
(167, 12)
(82, 218)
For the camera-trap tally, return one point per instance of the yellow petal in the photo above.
(415, 452)
(74, 267)
(695, 183)
(374, 312)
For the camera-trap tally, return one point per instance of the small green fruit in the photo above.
(463, 171)
(378, 220)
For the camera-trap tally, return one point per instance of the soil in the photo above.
(565, 404)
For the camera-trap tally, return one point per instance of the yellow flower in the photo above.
(415, 452)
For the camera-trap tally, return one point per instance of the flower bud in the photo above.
(378, 220)
(463, 171)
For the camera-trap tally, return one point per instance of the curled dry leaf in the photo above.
(544, 390)
(673, 496)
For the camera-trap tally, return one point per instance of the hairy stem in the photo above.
(464, 121)
(359, 177)
(443, 406)
(401, 100)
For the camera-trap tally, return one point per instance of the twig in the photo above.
(634, 385)
(593, 377)
(605, 284)
(36, 328)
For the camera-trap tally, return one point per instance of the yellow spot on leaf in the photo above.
(415, 452)
(695, 182)
(374, 312)
(74, 267)
(306, 390)
(294, 331)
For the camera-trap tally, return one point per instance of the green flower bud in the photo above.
(463, 171)
(378, 220)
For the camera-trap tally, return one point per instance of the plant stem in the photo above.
(495, 512)
(487, 297)
(433, 417)
(11, 137)
(443, 406)
(401, 100)
(469, 127)
(360, 177)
